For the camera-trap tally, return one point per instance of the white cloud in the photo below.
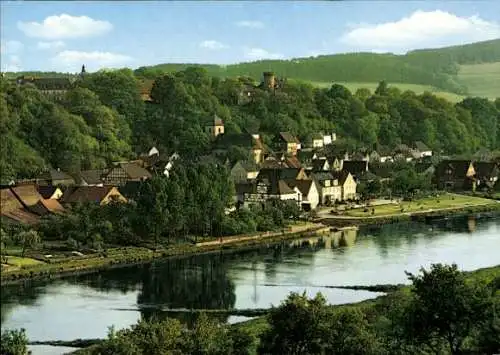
(421, 29)
(250, 24)
(10, 47)
(92, 60)
(259, 53)
(213, 45)
(65, 26)
(50, 45)
(11, 64)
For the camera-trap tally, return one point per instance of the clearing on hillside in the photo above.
(481, 79)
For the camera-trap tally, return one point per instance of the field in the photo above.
(419, 89)
(18, 261)
(481, 79)
(426, 204)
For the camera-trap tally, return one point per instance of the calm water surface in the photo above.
(83, 307)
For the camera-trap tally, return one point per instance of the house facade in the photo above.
(289, 143)
(214, 127)
(123, 172)
(455, 175)
(329, 189)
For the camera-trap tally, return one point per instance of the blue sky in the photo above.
(64, 35)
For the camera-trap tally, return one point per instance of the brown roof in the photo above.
(303, 185)
(289, 138)
(9, 201)
(93, 176)
(21, 216)
(485, 169)
(458, 168)
(55, 174)
(341, 176)
(293, 162)
(86, 194)
(27, 194)
(47, 206)
(134, 171)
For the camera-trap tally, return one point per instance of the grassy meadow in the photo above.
(481, 79)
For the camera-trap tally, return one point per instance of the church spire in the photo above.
(82, 73)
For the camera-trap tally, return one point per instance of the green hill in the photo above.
(444, 69)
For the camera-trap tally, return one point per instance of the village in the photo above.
(312, 173)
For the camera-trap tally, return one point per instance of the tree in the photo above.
(445, 308)
(28, 239)
(14, 342)
(297, 326)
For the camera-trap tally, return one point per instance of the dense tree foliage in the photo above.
(103, 119)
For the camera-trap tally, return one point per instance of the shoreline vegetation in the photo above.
(258, 325)
(129, 256)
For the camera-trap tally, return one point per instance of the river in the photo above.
(84, 306)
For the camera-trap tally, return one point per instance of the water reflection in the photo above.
(84, 306)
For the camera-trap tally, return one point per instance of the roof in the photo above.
(56, 174)
(304, 186)
(279, 173)
(8, 201)
(272, 163)
(341, 176)
(321, 176)
(215, 121)
(288, 137)
(47, 191)
(21, 216)
(46, 206)
(293, 162)
(421, 146)
(86, 194)
(134, 171)
(27, 194)
(245, 140)
(355, 167)
(458, 168)
(318, 164)
(485, 169)
(248, 165)
(93, 177)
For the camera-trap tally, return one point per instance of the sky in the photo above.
(63, 35)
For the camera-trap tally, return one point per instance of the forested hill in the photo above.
(436, 67)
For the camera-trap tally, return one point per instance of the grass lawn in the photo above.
(419, 89)
(445, 201)
(481, 79)
(18, 261)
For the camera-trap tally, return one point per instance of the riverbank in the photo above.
(259, 324)
(119, 257)
(442, 207)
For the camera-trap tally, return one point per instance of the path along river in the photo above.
(84, 306)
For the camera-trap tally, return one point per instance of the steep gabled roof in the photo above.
(318, 164)
(9, 201)
(421, 146)
(293, 162)
(47, 206)
(27, 194)
(341, 176)
(86, 194)
(288, 137)
(458, 168)
(355, 167)
(321, 176)
(55, 174)
(304, 186)
(93, 177)
(485, 169)
(134, 171)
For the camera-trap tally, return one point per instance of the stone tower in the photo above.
(269, 80)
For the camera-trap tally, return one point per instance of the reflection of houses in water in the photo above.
(471, 224)
(334, 239)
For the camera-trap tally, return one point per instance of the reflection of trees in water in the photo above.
(124, 280)
(199, 282)
(14, 295)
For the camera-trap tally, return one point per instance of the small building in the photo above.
(486, 174)
(214, 126)
(123, 172)
(422, 149)
(243, 171)
(348, 183)
(56, 177)
(329, 189)
(316, 141)
(309, 194)
(455, 175)
(289, 143)
(329, 138)
(92, 177)
(92, 194)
